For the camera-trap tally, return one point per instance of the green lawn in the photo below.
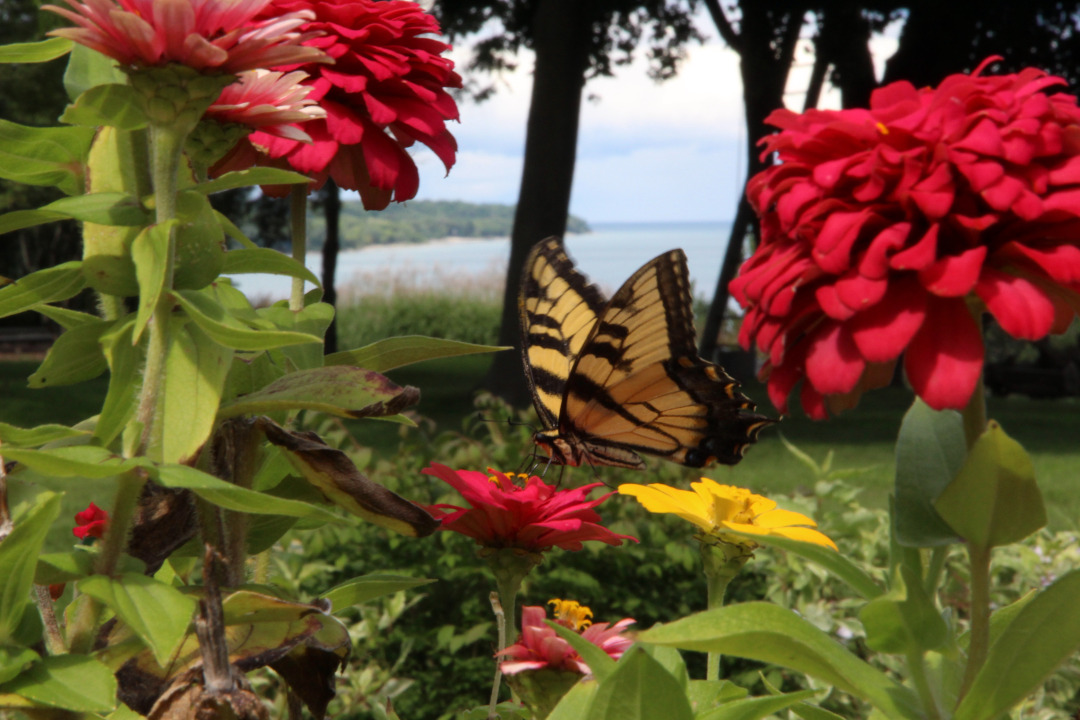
(862, 438)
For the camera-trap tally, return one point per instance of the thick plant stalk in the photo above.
(166, 145)
(974, 416)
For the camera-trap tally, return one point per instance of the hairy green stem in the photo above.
(54, 639)
(129, 488)
(298, 230)
(166, 145)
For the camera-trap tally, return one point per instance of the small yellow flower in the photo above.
(715, 508)
(571, 613)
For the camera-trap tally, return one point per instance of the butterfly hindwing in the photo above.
(634, 383)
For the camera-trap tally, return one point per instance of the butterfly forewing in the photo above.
(558, 309)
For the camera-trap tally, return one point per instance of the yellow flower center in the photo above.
(571, 613)
(497, 478)
(882, 129)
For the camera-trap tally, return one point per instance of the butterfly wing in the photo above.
(558, 309)
(638, 384)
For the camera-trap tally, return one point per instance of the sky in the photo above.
(647, 151)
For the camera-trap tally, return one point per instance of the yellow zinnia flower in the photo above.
(715, 508)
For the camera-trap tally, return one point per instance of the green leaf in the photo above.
(87, 68)
(156, 612)
(639, 689)
(575, 703)
(234, 232)
(76, 356)
(600, 663)
(104, 208)
(44, 156)
(802, 710)
(904, 620)
(368, 587)
(85, 461)
(125, 360)
(229, 332)
(831, 560)
(36, 436)
(265, 260)
(65, 317)
(14, 660)
(72, 682)
(1042, 636)
(195, 370)
(110, 104)
(397, 351)
(340, 390)
(754, 708)
(150, 253)
(63, 567)
(18, 559)
(252, 176)
(313, 319)
(234, 497)
(59, 282)
(930, 451)
(35, 52)
(994, 499)
(768, 633)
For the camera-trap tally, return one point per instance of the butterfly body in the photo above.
(614, 378)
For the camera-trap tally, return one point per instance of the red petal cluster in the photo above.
(385, 91)
(889, 230)
(533, 518)
(540, 647)
(91, 522)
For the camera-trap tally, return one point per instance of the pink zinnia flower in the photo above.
(888, 231)
(385, 91)
(533, 518)
(210, 36)
(270, 101)
(539, 647)
(91, 523)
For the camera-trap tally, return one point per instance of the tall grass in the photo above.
(439, 304)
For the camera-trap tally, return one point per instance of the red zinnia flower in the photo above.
(533, 518)
(385, 91)
(91, 522)
(889, 230)
(217, 36)
(539, 647)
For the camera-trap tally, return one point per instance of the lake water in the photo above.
(608, 255)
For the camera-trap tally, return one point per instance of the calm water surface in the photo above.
(608, 255)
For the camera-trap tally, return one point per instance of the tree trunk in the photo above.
(766, 46)
(331, 246)
(560, 42)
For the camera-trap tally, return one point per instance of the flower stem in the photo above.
(979, 642)
(129, 488)
(974, 416)
(54, 639)
(916, 664)
(166, 145)
(298, 230)
(503, 605)
(722, 562)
